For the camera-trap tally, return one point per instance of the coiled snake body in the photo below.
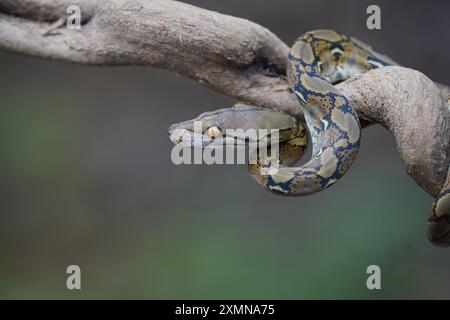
(317, 60)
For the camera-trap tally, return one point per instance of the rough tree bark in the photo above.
(233, 56)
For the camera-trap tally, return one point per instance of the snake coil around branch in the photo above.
(233, 56)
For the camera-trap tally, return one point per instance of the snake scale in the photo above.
(317, 60)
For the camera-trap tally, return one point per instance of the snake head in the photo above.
(239, 125)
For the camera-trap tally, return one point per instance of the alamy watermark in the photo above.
(374, 280)
(374, 20)
(73, 281)
(73, 21)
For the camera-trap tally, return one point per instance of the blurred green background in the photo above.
(86, 179)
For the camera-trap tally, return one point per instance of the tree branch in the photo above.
(230, 55)
(413, 109)
(233, 56)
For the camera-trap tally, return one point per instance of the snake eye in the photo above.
(214, 132)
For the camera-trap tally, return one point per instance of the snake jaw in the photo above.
(188, 138)
(177, 135)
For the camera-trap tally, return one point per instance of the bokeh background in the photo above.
(86, 179)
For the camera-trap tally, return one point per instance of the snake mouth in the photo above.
(189, 138)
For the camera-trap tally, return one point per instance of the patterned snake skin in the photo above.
(317, 60)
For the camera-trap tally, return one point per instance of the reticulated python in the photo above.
(317, 60)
